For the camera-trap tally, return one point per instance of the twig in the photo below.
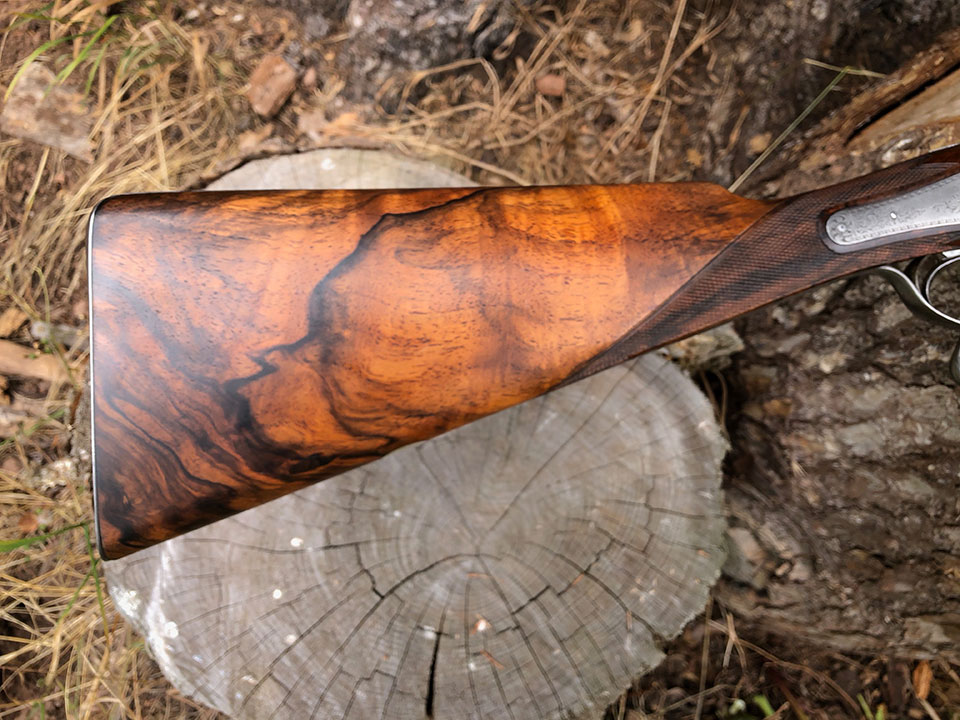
(825, 679)
(945, 666)
(15, 359)
(637, 118)
(655, 152)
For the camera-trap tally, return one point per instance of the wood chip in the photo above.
(38, 109)
(270, 85)
(552, 84)
(10, 321)
(16, 359)
(922, 678)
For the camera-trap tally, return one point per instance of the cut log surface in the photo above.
(528, 565)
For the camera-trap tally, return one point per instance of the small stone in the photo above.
(710, 349)
(270, 85)
(552, 84)
(46, 112)
(309, 80)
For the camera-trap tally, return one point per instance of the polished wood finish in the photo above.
(248, 344)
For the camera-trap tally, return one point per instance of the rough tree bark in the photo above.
(528, 565)
(846, 493)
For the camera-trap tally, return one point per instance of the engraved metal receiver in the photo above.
(933, 207)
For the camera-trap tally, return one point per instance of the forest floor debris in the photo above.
(596, 92)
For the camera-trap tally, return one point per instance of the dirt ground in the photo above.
(605, 91)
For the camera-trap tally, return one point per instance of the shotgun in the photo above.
(246, 344)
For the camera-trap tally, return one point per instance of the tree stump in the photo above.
(531, 564)
(846, 502)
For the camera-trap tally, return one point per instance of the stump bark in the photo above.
(530, 564)
(845, 500)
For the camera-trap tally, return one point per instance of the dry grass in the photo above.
(166, 97)
(607, 127)
(164, 101)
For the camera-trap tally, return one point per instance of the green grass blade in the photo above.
(33, 56)
(38, 14)
(94, 562)
(790, 128)
(763, 705)
(82, 55)
(9, 545)
(93, 68)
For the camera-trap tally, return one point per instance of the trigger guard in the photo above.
(913, 286)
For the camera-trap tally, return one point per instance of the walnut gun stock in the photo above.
(246, 344)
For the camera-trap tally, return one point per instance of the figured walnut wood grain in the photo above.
(783, 253)
(248, 344)
(527, 565)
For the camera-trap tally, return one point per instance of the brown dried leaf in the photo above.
(922, 678)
